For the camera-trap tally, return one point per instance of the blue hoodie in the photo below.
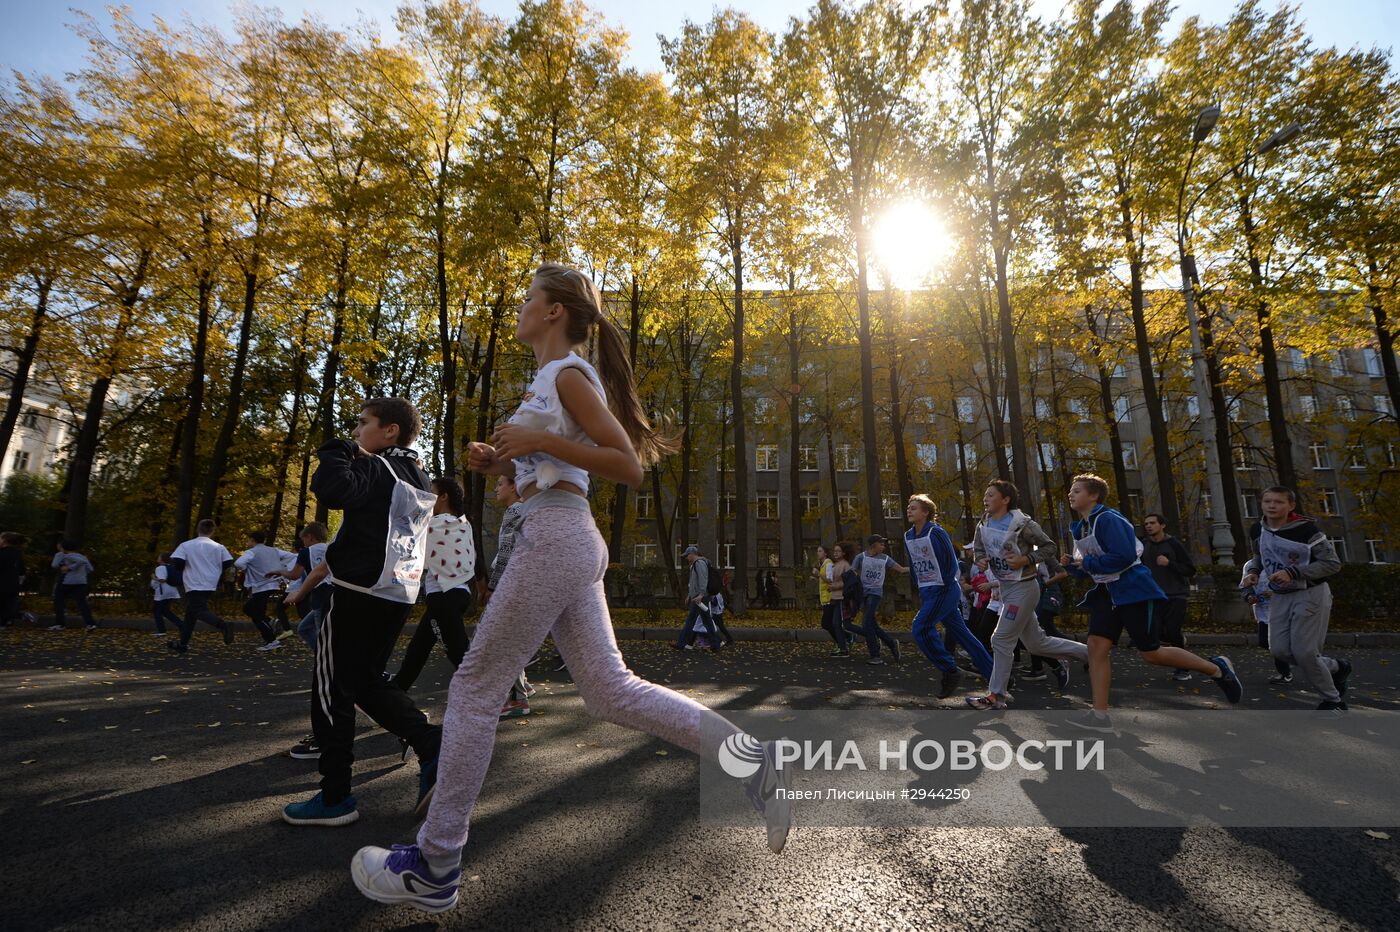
(947, 597)
(1115, 536)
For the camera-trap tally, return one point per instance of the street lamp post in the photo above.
(1222, 540)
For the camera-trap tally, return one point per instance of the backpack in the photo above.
(174, 577)
(851, 589)
(714, 583)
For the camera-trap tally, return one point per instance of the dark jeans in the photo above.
(9, 607)
(164, 612)
(707, 619)
(197, 609)
(874, 634)
(357, 636)
(1174, 621)
(310, 626)
(78, 593)
(441, 620)
(982, 624)
(256, 609)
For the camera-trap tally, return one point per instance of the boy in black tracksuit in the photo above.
(361, 625)
(1172, 569)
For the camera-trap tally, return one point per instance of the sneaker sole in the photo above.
(778, 813)
(346, 819)
(304, 755)
(357, 874)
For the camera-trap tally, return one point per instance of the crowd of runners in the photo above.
(402, 533)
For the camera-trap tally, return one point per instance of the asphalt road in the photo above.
(141, 791)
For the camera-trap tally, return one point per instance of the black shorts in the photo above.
(1142, 620)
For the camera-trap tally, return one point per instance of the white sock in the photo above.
(443, 866)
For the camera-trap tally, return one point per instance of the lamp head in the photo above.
(1281, 138)
(1205, 123)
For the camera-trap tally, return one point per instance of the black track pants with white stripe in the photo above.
(357, 637)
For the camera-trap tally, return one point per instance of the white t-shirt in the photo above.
(542, 409)
(259, 560)
(164, 592)
(204, 563)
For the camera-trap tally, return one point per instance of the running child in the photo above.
(1010, 546)
(447, 578)
(934, 564)
(1124, 597)
(871, 568)
(199, 564)
(1295, 558)
(518, 701)
(164, 595)
(75, 572)
(554, 583)
(376, 563)
(263, 566)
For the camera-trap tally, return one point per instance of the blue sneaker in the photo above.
(1228, 680)
(762, 790)
(315, 812)
(427, 782)
(1339, 679)
(400, 875)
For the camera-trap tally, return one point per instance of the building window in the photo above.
(807, 459)
(30, 418)
(1375, 550)
(1331, 505)
(810, 503)
(1130, 457)
(766, 505)
(847, 458)
(966, 410)
(1009, 452)
(1193, 406)
(1244, 456)
(1382, 405)
(1372, 358)
(727, 555)
(645, 503)
(1294, 358)
(1321, 458)
(967, 455)
(762, 407)
(846, 504)
(766, 458)
(20, 462)
(892, 507)
(729, 504)
(1080, 410)
(1042, 409)
(1309, 405)
(1085, 457)
(1122, 410)
(1047, 456)
(1340, 546)
(680, 549)
(694, 505)
(643, 554)
(1135, 504)
(1249, 503)
(927, 454)
(1344, 408)
(1233, 409)
(1356, 456)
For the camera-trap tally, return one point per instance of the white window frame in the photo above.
(1130, 454)
(1373, 550)
(811, 503)
(1339, 544)
(766, 502)
(846, 504)
(1321, 456)
(847, 458)
(967, 455)
(967, 409)
(765, 457)
(892, 506)
(1331, 503)
(927, 454)
(643, 504)
(643, 554)
(807, 458)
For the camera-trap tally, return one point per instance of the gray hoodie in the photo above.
(1029, 539)
(699, 580)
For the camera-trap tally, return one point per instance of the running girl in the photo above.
(595, 425)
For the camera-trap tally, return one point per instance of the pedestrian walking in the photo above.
(702, 585)
(74, 575)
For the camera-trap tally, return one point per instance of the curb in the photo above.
(1339, 639)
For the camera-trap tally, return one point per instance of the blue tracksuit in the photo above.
(943, 604)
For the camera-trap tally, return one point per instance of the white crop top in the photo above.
(541, 409)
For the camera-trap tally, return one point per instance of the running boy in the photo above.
(199, 564)
(872, 567)
(164, 595)
(1295, 557)
(1124, 596)
(1009, 545)
(376, 563)
(934, 563)
(262, 566)
(75, 571)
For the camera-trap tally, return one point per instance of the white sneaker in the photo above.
(270, 645)
(400, 875)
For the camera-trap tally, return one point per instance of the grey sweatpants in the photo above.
(1017, 622)
(553, 583)
(1297, 632)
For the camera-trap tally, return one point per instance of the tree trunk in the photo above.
(1268, 359)
(1019, 464)
(870, 442)
(483, 413)
(897, 419)
(835, 486)
(620, 490)
(664, 541)
(446, 337)
(194, 398)
(741, 449)
(330, 370)
(24, 361)
(1384, 337)
(965, 480)
(1161, 444)
(794, 395)
(1224, 445)
(294, 430)
(218, 458)
(1110, 413)
(303, 492)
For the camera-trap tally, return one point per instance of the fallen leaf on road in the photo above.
(1379, 836)
(109, 727)
(663, 753)
(27, 761)
(61, 721)
(475, 877)
(159, 757)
